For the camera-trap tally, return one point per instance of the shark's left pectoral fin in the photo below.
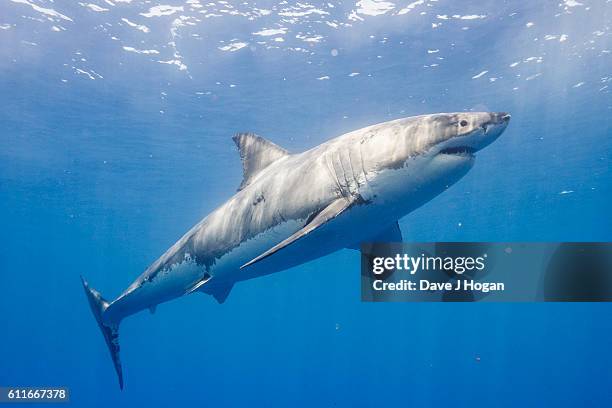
(330, 212)
(391, 234)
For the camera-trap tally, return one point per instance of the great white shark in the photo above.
(293, 208)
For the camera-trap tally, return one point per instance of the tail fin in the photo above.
(110, 331)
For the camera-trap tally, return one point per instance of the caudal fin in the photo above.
(110, 331)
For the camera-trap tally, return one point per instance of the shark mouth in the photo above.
(459, 151)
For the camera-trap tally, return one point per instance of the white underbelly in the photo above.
(358, 224)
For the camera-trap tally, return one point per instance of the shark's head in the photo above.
(460, 134)
(419, 157)
(451, 140)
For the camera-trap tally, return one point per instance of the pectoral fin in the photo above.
(327, 214)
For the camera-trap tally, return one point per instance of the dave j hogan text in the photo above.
(425, 285)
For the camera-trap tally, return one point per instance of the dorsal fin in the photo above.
(256, 154)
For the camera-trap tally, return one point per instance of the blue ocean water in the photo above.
(115, 138)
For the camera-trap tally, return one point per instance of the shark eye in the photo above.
(463, 123)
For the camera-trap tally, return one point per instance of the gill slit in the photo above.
(344, 176)
(356, 193)
(365, 176)
(329, 162)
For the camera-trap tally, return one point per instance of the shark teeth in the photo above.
(459, 150)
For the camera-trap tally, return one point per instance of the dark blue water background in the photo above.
(108, 156)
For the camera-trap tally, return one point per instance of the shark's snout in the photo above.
(502, 117)
(495, 126)
(486, 128)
